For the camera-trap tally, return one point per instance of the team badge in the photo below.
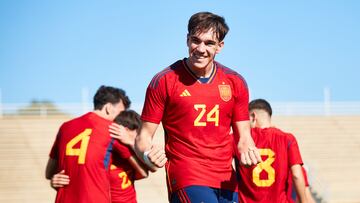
(225, 92)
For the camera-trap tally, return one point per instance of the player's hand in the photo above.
(124, 135)
(59, 180)
(157, 156)
(249, 154)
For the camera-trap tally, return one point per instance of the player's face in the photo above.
(202, 49)
(116, 109)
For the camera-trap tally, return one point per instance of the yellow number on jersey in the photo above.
(126, 182)
(265, 165)
(84, 138)
(212, 116)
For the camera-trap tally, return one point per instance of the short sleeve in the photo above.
(293, 151)
(155, 99)
(241, 110)
(305, 176)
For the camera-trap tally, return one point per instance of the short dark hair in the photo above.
(204, 21)
(260, 104)
(129, 119)
(108, 94)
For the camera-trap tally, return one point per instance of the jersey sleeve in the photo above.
(122, 150)
(293, 151)
(241, 109)
(305, 176)
(155, 100)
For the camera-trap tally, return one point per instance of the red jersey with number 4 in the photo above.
(122, 176)
(197, 118)
(83, 148)
(267, 181)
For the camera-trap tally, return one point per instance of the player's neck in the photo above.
(101, 113)
(264, 125)
(201, 72)
(263, 121)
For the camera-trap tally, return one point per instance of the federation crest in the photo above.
(225, 92)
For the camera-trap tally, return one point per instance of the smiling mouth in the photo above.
(199, 57)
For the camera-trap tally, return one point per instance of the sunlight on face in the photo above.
(202, 49)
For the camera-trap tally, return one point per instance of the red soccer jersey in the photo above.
(267, 181)
(83, 148)
(197, 118)
(122, 176)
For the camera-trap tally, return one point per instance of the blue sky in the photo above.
(286, 50)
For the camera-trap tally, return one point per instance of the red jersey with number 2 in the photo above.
(122, 175)
(83, 149)
(197, 118)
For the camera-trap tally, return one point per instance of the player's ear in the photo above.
(252, 115)
(252, 119)
(107, 108)
(187, 39)
(220, 47)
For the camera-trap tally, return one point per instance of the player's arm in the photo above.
(57, 180)
(127, 137)
(299, 182)
(309, 197)
(153, 156)
(123, 134)
(249, 154)
(141, 171)
(51, 168)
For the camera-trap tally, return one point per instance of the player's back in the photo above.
(83, 149)
(266, 182)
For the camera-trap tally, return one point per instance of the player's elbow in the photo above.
(49, 173)
(50, 168)
(47, 176)
(295, 176)
(297, 173)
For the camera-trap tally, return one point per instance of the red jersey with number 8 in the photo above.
(83, 149)
(197, 118)
(267, 181)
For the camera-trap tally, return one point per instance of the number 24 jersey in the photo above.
(197, 118)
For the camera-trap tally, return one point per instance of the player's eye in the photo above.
(210, 43)
(195, 40)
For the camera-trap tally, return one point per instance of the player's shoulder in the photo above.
(75, 121)
(283, 134)
(166, 72)
(230, 73)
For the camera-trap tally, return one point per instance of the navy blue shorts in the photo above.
(203, 194)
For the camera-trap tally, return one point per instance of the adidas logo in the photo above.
(185, 93)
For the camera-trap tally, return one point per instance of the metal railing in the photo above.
(45, 110)
(279, 108)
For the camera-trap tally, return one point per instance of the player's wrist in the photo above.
(147, 161)
(131, 144)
